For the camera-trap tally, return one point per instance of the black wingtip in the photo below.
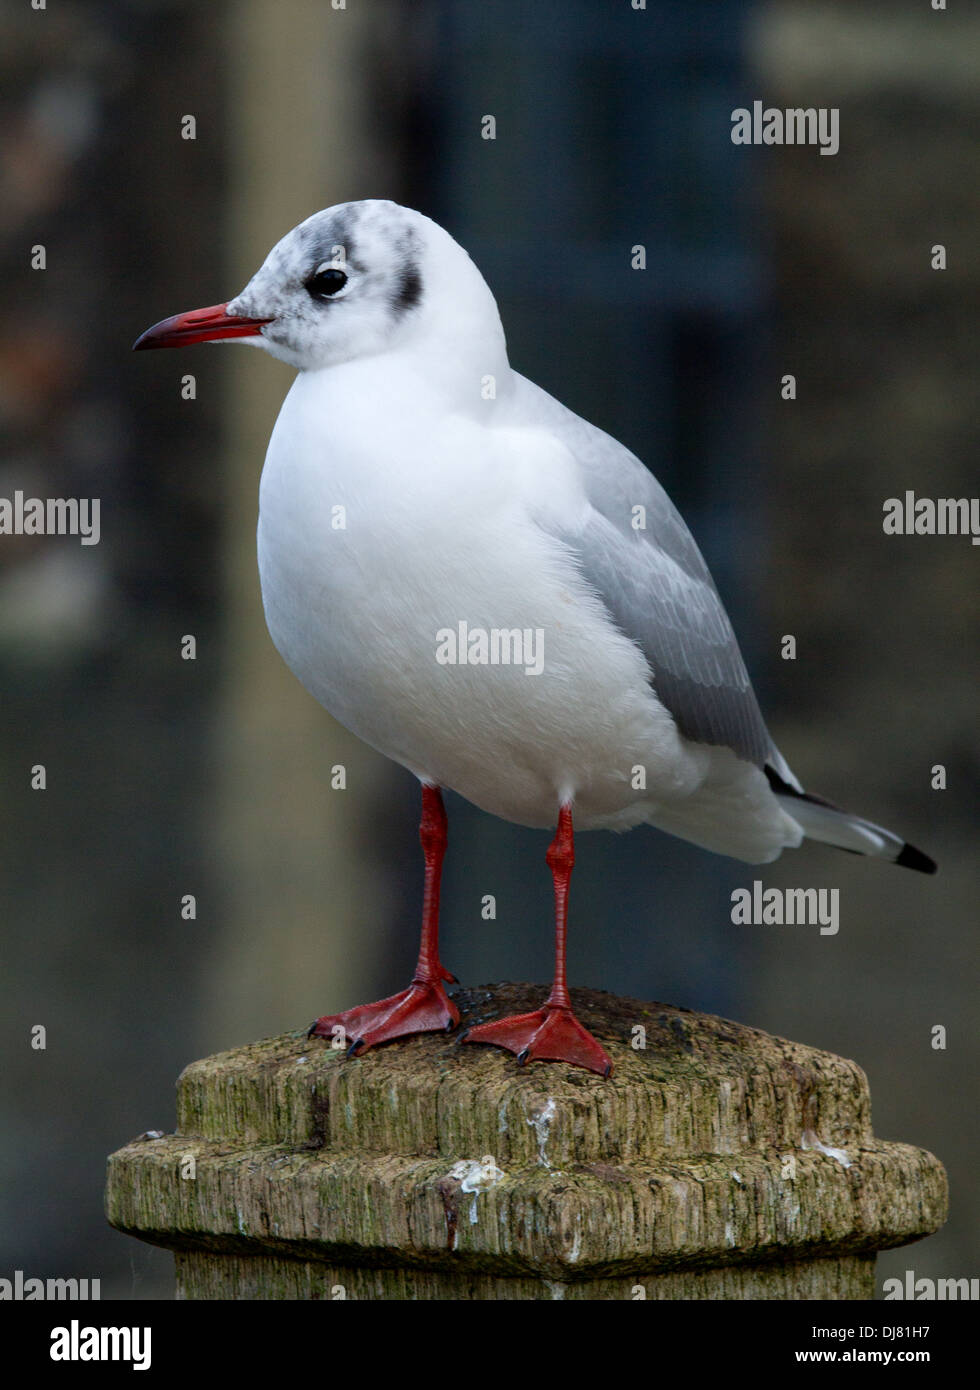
(912, 858)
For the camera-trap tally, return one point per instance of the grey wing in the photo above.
(648, 571)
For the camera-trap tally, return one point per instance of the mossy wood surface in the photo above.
(716, 1162)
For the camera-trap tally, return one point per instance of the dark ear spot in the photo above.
(340, 234)
(409, 290)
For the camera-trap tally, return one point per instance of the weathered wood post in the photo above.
(717, 1162)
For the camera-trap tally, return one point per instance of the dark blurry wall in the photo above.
(168, 777)
(884, 688)
(94, 866)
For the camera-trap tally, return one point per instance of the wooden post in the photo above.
(716, 1162)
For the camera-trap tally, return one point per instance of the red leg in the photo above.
(551, 1033)
(424, 1007)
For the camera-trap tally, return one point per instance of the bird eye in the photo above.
(324, 283)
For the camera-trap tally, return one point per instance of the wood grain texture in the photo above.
(698, 1170)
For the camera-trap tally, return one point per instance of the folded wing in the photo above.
(636, 552)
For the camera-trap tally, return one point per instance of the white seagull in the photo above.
(491, 591)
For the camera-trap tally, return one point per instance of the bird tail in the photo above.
(822, 820)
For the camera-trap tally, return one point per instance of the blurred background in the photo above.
(168, 777)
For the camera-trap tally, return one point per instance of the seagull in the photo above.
(492, 592)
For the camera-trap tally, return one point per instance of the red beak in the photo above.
(198, 326)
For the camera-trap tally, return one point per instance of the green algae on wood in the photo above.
(715, 1159)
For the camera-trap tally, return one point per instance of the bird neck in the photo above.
(457, 338)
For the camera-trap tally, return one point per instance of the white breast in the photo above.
(381, 526)
(385, 523)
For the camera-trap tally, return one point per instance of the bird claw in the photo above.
(422, 1008)
(550, 1034)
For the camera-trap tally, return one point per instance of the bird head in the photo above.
(351, 281)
